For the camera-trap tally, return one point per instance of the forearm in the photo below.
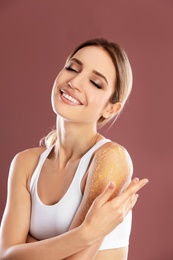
(89, 252)
(97, 225)
(53, 249)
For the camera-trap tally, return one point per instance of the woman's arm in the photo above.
(98, 223)
(112, 163)
(16, 220)
(15, 223)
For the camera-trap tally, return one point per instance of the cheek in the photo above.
(52, 100)
(54, 94)
(57, 82)
(53, 91)
(59, 78)
(100, 101)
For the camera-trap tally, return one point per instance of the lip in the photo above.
(62, 90)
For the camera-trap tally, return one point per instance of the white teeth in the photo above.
(70, 98)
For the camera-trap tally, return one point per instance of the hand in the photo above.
(105, 215)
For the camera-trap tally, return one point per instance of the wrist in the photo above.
(87, 235)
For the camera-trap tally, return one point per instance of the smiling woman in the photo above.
(57, 197)
(86, 80)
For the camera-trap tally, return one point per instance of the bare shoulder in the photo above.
(28, 157)
(112, 148)
(24, 163)
(111, 162)
(115, 155)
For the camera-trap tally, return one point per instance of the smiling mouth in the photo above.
(70, 98)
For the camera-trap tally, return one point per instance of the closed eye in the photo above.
(71, 69)
(96, 84)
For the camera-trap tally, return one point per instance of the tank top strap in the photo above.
(96, 146)
(37, 170)
(81, 169)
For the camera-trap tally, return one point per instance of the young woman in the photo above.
(52, 189)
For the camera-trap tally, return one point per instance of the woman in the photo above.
(52, 189)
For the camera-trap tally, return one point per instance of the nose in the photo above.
(77, 83)
(70, 85)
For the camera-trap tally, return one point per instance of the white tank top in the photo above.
(52, 220)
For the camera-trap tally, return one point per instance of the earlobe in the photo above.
(118, 107)
(112, 110)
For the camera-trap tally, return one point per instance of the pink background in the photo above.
(35, 38)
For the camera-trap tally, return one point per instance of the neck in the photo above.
(74, 140)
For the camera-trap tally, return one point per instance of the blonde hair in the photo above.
(123, 84)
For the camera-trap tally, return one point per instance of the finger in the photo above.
(105, 195)
(135, 186)
(130, 204)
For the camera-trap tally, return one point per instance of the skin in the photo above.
(94, 101)
(110, 163)
(75, 121)
(81, 71)
(95, 226)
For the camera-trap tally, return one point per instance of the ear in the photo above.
(111, 110)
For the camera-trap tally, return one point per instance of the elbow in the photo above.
(4, 255)
(8, 254)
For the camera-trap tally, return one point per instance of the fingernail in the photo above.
(111, 185)
(136, 180)
(146, 180)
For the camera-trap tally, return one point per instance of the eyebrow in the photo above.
(94, 71)
(101, 75)
(77, 61)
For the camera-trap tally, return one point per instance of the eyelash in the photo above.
(95, 84)
(71, 69)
